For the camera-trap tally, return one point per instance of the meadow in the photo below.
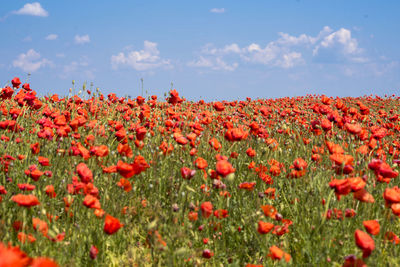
(102, 180)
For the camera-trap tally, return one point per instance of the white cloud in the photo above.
(32, 9)
(79, 68)
(289, 60)
(343, 37)
(82, 39)
(31, 61)
(209, 49)
(51, 37)
(286, 51)
(217, 10)
(213, 63)
(339, 46)
(146, 59)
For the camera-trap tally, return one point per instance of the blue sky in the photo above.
(213, 50)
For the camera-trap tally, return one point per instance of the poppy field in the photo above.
(93, 179)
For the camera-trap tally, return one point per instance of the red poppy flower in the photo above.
(13, 256)
(25, 200)
(187, 173)
(93, 252)
(247, 185)
(193, 216)
(91, 202)
(201, 163)
(44, 161)
(224, 168)
(206, 209)
(49, 189)
(26, 187)
(219, 106)
(100, 151)
(221, 213)
(141, 133)
(43, 262)
(40, 226)
(372, 227)
(364, 242)
(277, 254)
(264, 227)
(251, 152)
(207, 254)
(16, 82)
(85, 174)
(125, 184)
(111, 225)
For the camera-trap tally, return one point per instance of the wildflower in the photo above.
(206, 209)
(25, 200)
(364, 242)
(111, 225)
(264, 227)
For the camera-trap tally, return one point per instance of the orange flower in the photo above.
(269, 211)
(201, 163)
(277, 254)
(264, 227)
(40, 226)
(49, 189)
(99, 213)
(193, 216)
(215, 144)
(23, 237)
(340, 159)
(270, 192)
(247, 185)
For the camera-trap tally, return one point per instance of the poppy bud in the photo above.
(93, 252)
